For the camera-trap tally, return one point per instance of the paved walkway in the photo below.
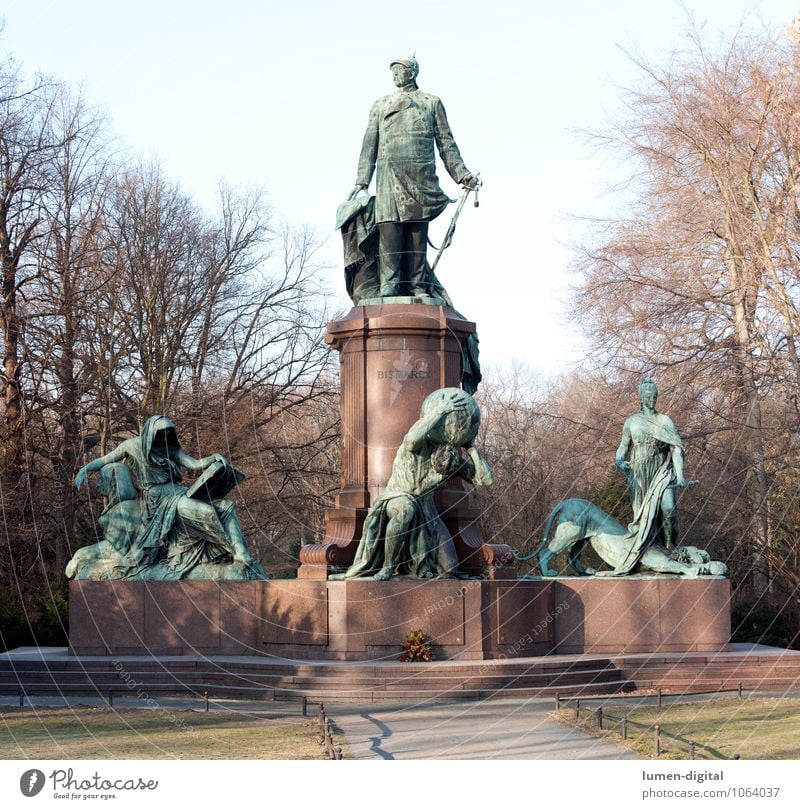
(513, 728)
(491, 729)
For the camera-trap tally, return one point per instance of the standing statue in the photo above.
(401, 133)
(655, 467)
(170, 531)
(403, 531)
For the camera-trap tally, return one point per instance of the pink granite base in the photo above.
(639, 615)
(365, 620)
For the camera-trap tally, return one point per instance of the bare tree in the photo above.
(699, 279)
(65, 286)
(27, 148)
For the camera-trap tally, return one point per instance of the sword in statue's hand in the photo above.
(475, 184)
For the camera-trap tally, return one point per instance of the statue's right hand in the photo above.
(81, 478)
(356, 191)
(624, 466)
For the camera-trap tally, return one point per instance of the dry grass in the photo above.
(105, 733)
(758, 728)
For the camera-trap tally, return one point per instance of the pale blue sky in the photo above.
(277, 93)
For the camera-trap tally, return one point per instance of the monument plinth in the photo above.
(392, 356)
(402, 549)
(367, 620)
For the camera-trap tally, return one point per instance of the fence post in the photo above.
(691, 751)
(21, 697)
(338, 754)
(577, 708)
(305, 706)
(558, 702)
(205, 701)
(657, 741)
(658, 701)
(329, 738)
(110, 699)
(740, 689)
(624, 727)
(600, 718)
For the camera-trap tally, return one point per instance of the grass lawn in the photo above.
(758, 728)
(105, 733)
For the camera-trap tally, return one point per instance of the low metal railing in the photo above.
(332, 750)
(605, 721)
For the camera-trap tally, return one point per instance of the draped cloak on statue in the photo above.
(651, 475)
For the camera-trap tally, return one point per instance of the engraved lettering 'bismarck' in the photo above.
(404, 374)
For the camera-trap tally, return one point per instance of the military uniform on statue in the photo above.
(402, 131)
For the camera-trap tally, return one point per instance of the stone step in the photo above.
(261, 678)
(712, 683)
(788, 661)
(409, 670)
(717, 673)
(745, 666)
(401, 672)
(339, 695)
(422, 680)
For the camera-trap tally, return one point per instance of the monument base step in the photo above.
(55, 672)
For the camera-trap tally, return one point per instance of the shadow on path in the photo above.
(375, 741)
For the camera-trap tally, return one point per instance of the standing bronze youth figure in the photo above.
(402, 131)
(655, 465)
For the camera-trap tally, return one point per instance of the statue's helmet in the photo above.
(407, 61)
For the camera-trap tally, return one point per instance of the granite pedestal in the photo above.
(392, 356)
(365, 620)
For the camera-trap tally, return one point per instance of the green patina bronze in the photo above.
(578, 521)
(650, 455)
(403, 532)
(154, 527)
(386, 236)
(655, 467)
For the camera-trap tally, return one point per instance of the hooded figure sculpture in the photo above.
(177, 532)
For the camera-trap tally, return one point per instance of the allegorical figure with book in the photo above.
(169, 531)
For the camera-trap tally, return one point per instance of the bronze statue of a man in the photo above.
(655, 465)
(402, 130)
